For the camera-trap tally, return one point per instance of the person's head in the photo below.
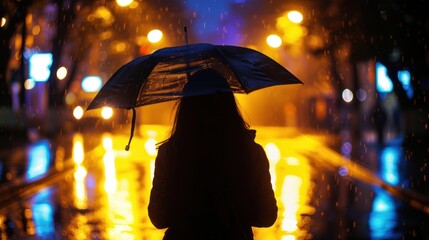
(208, 103)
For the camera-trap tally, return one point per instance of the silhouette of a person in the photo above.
(211, 179)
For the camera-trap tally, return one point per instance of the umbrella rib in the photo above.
(228, 64)
(142, 81)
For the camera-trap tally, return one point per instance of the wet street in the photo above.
(86, 186)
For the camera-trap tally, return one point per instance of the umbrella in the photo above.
(162, 75)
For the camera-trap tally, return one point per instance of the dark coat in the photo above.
(217, 189)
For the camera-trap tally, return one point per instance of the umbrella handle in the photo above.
(133, 123)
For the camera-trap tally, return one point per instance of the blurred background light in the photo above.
(347, 95)
(107, 142)
(43, 216)
(405, 78)
(3, 22)
(78, 150)
(389, 165)
(123, 3)
(274, 41)
(36, 30)
(150, 146)
(62, 73)
(39, 159)
(40, 64)
(78, 112)
(361, 94)
(29, 84)
(383, 82)
(154, 36)
(295, 16)
(70, 98)
(92, 84)
(106, 112)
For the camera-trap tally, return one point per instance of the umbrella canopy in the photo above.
(165, 75)
(162, 75)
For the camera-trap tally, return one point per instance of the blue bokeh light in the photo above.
(92, 84)
(389, 169)
(40, 64)
(384, 83)
(39, 159)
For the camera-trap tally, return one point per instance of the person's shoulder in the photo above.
(252, 133)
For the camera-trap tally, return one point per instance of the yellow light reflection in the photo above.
(80, 188)
(294, 196)
(121, 212)
(290, 198)
(78, 152)
(273, 155)
(110, 183)
(80, 195)
(107, 142)
(289, 237)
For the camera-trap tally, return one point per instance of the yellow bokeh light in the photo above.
(124, 3)
(154, 36)
(118, 47)
(80, 188)
(36, 30)
(291, 200)
(62, 73)
(110, 172)
(295, 16)
(288, 25)
(107, 143)
(273, 155)
(3, 22)
(274, 41)
(106, 112)
(273, 152)
(150, 146)
(70, 98)
(29, 84)
(133, 5)
(80, 173)
(78, 152)
(78, 112)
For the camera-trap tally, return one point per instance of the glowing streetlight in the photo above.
(154, 36)
(274, 41)
(124, 3)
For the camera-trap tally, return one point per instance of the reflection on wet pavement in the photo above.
(104, 195)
